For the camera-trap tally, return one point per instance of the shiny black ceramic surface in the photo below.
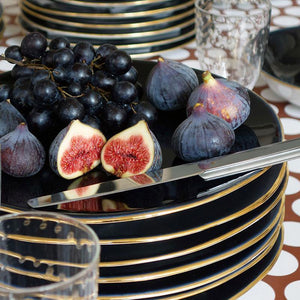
(262, 127)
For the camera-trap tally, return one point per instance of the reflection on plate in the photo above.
(281, 68)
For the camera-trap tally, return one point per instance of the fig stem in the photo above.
(160, 59)
(207, 77)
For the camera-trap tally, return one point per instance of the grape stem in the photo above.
(22, 64)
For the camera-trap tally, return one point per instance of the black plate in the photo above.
(238, 284)
(109, 12)
(284, 45)
(192, 277)
(89, 26)
(262, 127)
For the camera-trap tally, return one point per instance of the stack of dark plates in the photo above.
(1, 21)
(139, 27)
(188, 239)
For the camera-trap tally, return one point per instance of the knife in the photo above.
(226, 165)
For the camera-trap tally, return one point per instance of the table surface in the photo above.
(283, 280)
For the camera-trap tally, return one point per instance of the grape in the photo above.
(41, 121)
(61, 74)
(131, 75)
(114, 117)
(70, 109)
(146, 110)
(33, 45)
(93, 102)
(39, 75)
(118, 62)
(103, 80)
(13, 52)
(106, 49)
(47, 58)
(84, 52)
(92, 121)
(21, 71)
(45, 93)
(5, 91)
(58, 43)
(22, 98)
(74, 89)
(81, 73)
(124, 92)
(63, 57)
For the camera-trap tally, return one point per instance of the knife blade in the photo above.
(222, 166)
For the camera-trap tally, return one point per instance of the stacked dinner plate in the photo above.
(188, 239)
(1, 21)
(139, 27)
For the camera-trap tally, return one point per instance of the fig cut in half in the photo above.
(76, 150)
(133, 151)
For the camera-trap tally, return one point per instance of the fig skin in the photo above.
(170, 84)
(134, 150)
(202, 135)
(76, 150)
(10, 117)
(221, 97)
(22, 154)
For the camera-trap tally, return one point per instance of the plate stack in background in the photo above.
(140, 27)
(1, 21)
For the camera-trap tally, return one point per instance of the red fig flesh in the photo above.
(132, 151)
(76, 150)
(22, 155)
(223, 98)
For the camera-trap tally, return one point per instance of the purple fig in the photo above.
(10, 117)
(221, 97)
(133, 151)
(22, 155)
(202, 135)
(170, 84)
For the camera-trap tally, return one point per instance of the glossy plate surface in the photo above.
(261, 128)
(282, 63)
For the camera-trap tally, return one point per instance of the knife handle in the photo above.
(252, 159)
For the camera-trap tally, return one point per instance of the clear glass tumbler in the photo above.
(47, 256)
(232, 36)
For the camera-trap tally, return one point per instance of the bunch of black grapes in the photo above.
(54, 83)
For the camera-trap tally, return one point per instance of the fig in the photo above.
(170, 84)
(76, 150)
(10, 117)
(22, 154)
(202, 135)
(222, 97)
(134, 150)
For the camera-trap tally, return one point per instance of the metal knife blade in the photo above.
(214, 168)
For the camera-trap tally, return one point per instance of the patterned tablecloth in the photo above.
(283, 280)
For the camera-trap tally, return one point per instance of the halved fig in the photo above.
(76, 150)
(132, 151)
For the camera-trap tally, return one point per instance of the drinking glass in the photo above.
(47, 256)
(232, 36)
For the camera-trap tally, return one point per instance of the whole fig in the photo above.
(221, 97)
(10, 117)
(202, 135)
(22, 155)
(170, 84)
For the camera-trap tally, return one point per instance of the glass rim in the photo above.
(74, 278)
(203, 10)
